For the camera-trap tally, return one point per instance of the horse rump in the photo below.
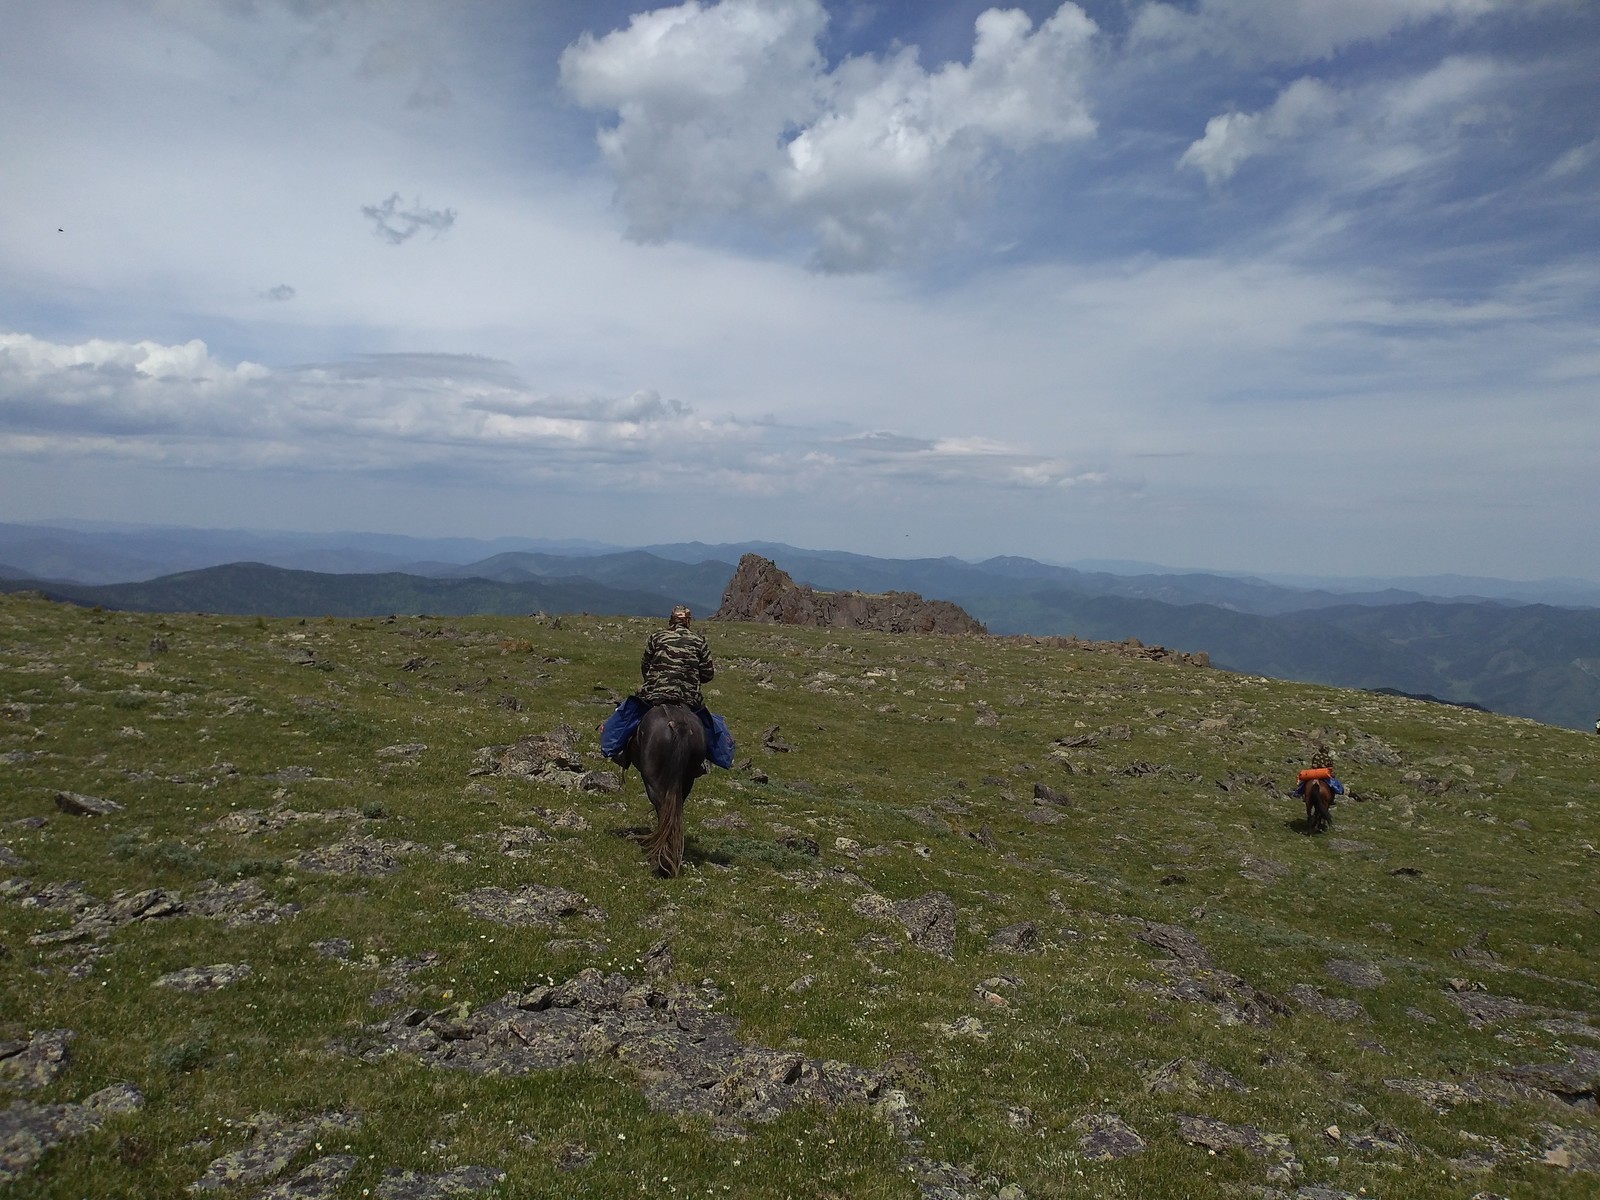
(1319, 805)
(668, 750)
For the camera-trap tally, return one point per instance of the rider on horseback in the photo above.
(675, 663)
(1321, 768)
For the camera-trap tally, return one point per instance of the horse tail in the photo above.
(664, 847)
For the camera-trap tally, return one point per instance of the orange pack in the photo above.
(1316, 773)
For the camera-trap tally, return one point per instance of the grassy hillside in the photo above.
(1529, 660)
(975, 919)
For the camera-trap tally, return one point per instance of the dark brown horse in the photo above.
(1319, 805)
(669, 748)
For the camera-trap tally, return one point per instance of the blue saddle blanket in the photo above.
(1334, 786)
(625, 718)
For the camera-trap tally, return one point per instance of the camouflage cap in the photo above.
(680, 615)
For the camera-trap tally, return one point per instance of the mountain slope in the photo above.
(361, 911)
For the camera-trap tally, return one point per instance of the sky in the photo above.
(1292, 287)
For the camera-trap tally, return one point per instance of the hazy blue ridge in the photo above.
(255, 589)
(699, 585)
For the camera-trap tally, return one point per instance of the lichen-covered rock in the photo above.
(1191, 1077)
(532, 904)
(680, 1050)
(1220, 1136)
(365, 856)
(929, 921)
(28, 1131)
(32, 1064)
(1021, 938)
(1104, 1137)
(205, 979)
(80, 805)
(1311, 998)
(398, 1184)
(273, 1148)
(318, 1180)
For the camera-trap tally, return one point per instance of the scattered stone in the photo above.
(33, 1064)
(657, 961)
(280, 816)
(1191, 1077)
(1310, 998)
(273, 1148)
(1570, 1149)
(1441, 1097)
(1261, 870)
(683, 1053)
(572, 1155)
(1356, 974)
(28, 1131)
(79, 805)
(532, 904)
(600, 783)
(238, 904)
(1105, 1137)
(409, 750)
(1483, 1008)
(1049, 795)
(1221, 1137)
(1476, 950)
(205, 979)
(1382, 1138)
(929, 921)
(966, 1027)
(1194, 979)
(1575, 1082)
(770, 742)
(551, 757)
(1021, 938)
(801, 844)
(518, 841)
(397, 1184)
(368, 857)
(319, 1180)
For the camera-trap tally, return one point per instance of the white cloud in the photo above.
(182, 406)
(1232, 138)
(729, 109)
(1363, 137)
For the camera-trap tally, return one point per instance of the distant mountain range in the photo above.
(1526, 649)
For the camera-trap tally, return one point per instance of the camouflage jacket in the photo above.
(676, 662)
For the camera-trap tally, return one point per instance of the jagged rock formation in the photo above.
(762, 592)
(759, 591)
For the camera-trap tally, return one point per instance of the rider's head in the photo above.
(680, 616)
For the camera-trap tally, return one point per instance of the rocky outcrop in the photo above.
(759, 591)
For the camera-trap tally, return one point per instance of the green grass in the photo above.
(1472, 827)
